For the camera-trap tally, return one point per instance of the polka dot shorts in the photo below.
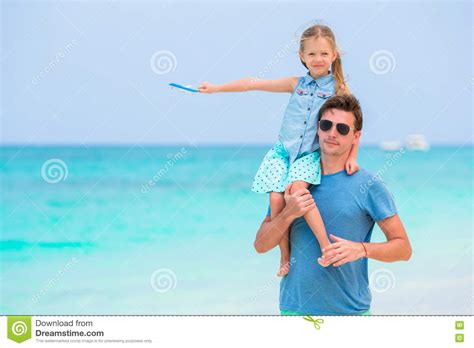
(275, 171)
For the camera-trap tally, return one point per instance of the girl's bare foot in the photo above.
(284, 268)
(321, 260)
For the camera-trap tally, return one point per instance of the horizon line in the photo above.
(185, 144)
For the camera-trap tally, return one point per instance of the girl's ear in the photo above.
(301, 56)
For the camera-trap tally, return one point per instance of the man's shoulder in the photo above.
(365, 179)
(369, 181)
(360, 180)
(364, 174)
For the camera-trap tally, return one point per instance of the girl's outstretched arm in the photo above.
(287, 84)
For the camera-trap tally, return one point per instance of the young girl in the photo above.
(295, 158)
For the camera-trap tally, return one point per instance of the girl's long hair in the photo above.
(317, 31)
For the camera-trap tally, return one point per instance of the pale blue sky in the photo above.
(80, 72)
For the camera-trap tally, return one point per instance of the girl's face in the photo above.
(318, 56)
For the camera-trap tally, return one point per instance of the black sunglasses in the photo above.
(342, 128)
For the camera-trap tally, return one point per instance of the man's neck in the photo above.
(332, 164)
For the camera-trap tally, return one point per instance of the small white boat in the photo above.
(417, 142)
(391, 145)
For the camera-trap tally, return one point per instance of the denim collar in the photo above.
(320, 81)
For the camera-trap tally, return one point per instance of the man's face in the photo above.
(333, 143)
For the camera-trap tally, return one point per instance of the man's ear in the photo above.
(356, 136)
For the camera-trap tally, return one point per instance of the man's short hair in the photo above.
(346, 102)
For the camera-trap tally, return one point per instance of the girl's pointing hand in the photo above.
(207, 87)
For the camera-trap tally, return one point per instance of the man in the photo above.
(349, 205)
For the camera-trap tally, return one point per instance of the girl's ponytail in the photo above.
(341, 86)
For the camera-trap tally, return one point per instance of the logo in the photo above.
(19, 328)
(163, 62)
(301, 91)
(163, 280)
(54, 170)
(382, 280)
(316, 322)
(382, 62)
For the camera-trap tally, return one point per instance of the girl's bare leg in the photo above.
(277, 203)
(314, 220)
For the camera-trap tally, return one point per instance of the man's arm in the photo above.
(396, 248)
(271, 231)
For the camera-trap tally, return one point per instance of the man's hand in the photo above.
(342, 251)
(298, 203)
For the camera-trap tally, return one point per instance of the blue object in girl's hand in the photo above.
(183, 88)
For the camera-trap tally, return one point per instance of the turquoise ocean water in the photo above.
(170, 230)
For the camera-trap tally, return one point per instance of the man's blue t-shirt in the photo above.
(349, 206)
